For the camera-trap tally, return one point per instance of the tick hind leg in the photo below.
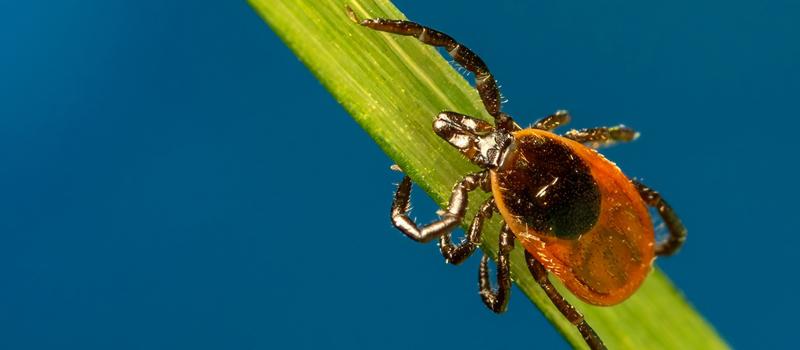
(603, 136)
(484, 81)
(451, 218)
(677, 232)
(497, 299)
(574, 316)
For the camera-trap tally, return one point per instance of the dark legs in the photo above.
(677, 232)
(484, 81)
(594, 137)
(603, 136)
(540, 274)
(497, 299)
(552, 121)
(456, 254)
(450, 218)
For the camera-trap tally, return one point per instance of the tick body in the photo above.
(577, 214)
(574, 212)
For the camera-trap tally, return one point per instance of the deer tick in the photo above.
(575, 213)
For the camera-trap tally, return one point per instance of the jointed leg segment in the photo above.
(456, 254)
(484, 81)
(497, 300)
(450, 219)
(553, 121)
(677, 232)
(602, 136)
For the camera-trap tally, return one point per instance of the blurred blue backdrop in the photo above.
(144, 205)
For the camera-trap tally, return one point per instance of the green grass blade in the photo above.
(393, 87)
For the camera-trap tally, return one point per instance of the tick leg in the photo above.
(604, 136)
(574, 316)
(677, 232)
(552, 121)
(450, 218)
(457, 253)
(484, 81)
(497, 300)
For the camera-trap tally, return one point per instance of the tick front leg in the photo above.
(677, 232)
(484, 81)
(540, 274)
(457, 253)
(603, 136)
(450, 219)
(497, 299)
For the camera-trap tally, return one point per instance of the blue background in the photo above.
(162, 184)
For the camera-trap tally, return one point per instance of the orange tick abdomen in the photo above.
(578, 215)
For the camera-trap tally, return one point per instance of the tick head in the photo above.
(476, 139)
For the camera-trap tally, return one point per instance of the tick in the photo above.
(575, 213)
